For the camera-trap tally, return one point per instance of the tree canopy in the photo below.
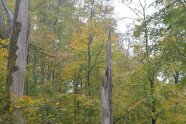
(66, 62)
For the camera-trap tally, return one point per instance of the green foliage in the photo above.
(5, 115)
(56, 76)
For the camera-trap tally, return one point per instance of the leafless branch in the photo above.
(9, 14)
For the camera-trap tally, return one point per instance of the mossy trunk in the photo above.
(18, 53)
(18, 49)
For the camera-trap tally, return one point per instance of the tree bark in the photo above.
(176, 77)
(153, 109)
(106, 87)
(1, 21)
(18, 55)
(76, 102)
(18, 49)
(88, 68)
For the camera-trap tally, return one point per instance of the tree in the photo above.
(18, 52)
(73, 76)
(142, 33)
(106, 87)
(18, 49)
(10, 17)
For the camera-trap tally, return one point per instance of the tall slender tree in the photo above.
(18, 50)
(106, 87)
(10, 17)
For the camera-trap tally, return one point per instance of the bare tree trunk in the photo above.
(18, 53)
(18, 49)
(153, 109)
(176, 77)
(88, 68)
(76, 102)
(10, 17)
(106, 87)
(1, 21)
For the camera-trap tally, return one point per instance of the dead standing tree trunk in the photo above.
(18, 49)
(18, 52)
(106, 87)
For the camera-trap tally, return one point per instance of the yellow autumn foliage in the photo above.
(3, 49)
(3, 57)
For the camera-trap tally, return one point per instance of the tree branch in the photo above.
(96, 58)
(177, 49)
(9, 14)
(130, 110)
(41, 50)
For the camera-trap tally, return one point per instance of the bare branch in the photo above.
(135, 11)
(130, 110)
(96, 58)
(177, 49)
(9, 14)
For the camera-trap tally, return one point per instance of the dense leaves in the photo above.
(149, 75)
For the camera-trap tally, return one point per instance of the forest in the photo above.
(73, 62)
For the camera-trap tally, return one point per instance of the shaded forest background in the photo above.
(66, 62)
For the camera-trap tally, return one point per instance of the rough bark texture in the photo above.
(18, 49)
(18, 55)
(106, 88)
